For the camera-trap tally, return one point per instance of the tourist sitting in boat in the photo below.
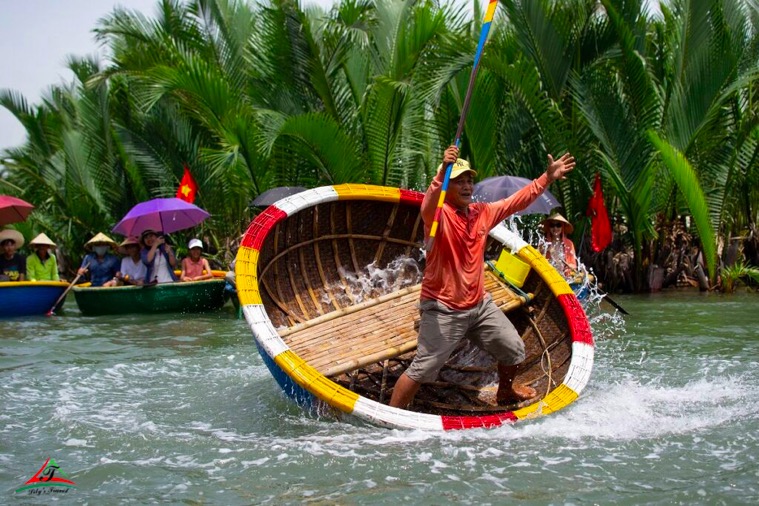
(12, 264)
(454, 304)
(559, 249)
(133, 271)
(42, 264)
(158, 257)
(194, 266)
(100, 263)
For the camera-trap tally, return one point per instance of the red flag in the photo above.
(187, 187)
(600, 225)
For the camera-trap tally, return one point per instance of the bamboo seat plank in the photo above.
(373, 330)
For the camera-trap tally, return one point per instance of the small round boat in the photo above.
(28, 298)
(329, 281)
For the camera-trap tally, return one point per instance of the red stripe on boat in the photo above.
(259, 229)
(477, 422)
(411, 197)
(578, 322)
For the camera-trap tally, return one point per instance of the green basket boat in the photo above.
(188, 297)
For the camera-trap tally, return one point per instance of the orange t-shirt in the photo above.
(454, 274)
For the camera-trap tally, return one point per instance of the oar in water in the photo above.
(65, 292)
(464, 108)
(605, 295)
(612, 302)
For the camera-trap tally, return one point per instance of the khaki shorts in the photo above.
(441, 329)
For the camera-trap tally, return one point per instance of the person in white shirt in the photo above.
(133, 271)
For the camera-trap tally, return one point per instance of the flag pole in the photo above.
(489, 13)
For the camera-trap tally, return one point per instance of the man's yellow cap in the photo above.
(460, 167)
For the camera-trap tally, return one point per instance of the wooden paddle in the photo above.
(605, 295)
(65, 292)
(613, 302)
(489, 12)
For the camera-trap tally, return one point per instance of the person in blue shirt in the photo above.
(100, 263)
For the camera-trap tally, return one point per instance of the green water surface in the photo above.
(181, 409)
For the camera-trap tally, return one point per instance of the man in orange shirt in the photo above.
(453, 302)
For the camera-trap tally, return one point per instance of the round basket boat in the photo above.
(28, 298)
(329, 282)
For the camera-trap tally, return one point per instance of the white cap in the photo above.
(195, 243)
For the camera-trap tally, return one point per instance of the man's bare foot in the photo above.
(517, 393)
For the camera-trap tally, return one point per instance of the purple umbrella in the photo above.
(500, 187)
(162, 215)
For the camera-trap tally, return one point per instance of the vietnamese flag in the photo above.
(187, 187)
(600, 226)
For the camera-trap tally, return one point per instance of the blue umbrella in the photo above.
(499, 187)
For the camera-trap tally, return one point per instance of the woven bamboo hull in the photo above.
(192, 297)
(28, 298)
(328, 281)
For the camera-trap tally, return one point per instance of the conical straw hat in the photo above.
(129, 241)
(100, 238)
(568, 228)
(42, 240)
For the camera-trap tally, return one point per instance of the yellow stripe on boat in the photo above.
(368, 192)
(556, 283)
(247, 281)
(313, 381)
(18, 284)
(559, 398)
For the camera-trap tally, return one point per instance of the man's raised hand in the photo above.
(558, 169)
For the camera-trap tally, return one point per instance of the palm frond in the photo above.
(689, 185)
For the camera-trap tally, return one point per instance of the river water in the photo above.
(181, 409)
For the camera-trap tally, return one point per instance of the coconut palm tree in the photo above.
(252, 96)
(711, 60)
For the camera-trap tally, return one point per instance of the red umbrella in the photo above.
(13, 210)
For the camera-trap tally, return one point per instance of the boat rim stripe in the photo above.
(32, 284)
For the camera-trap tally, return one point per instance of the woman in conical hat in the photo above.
(42, 265)
(100, 263)
(560, 250)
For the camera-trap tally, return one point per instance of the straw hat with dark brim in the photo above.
(100, 238)
(13, 235)
(42, 240)
(568, 228)
(129, 241)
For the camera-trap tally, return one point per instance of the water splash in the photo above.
(372, 281)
